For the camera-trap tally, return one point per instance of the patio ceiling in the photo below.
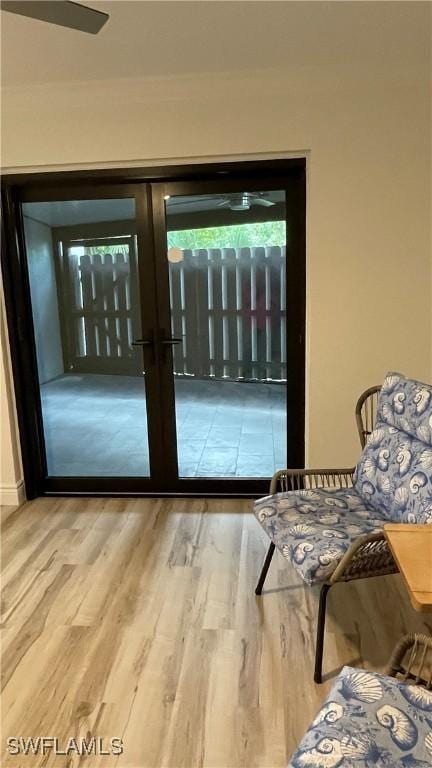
(192, 208)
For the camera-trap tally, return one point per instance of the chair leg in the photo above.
(265, 568)
(320, 633)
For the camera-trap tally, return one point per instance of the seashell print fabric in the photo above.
(369, 720)
(313, 529)
(394, 473)
(406, 404)
(393, 481)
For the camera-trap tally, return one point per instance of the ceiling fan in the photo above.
(62, 12)
(243, 201)
(236, 201)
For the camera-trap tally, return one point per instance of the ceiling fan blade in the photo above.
(198, 201)
(62, 12)
(262, 201)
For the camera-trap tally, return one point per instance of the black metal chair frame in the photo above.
(367, 556)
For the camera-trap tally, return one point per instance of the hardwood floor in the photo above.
(137, 619)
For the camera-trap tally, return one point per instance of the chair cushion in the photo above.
(369, 720)
(394, 473)
(394, 476)
(314, 528)
(406, 405)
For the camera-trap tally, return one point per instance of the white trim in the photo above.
(12, 495)
(157, 162)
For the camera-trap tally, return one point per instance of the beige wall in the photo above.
(367, 142)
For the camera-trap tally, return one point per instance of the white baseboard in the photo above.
(12, 495)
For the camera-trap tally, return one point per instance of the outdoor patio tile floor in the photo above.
(96, 425)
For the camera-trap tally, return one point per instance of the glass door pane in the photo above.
(227, 274)
(82, 265)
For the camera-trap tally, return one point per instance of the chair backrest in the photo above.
(394, 472)
(412, 660)
(365, 412)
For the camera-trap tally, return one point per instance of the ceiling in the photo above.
(71, 212)
(164, 38)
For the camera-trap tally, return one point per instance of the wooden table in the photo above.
(411, 546)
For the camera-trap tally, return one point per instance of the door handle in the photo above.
(147, 343)
(172, 341)
(142, 342)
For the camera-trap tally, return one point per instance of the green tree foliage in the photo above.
(235, 236)
(92, 250)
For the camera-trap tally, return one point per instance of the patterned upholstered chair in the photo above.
(329, 522)
(376, 720)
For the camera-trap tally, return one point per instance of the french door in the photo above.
(164, 332)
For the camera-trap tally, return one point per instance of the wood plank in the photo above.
(122, 301)
(191, 329)
(276, 314)
(261, 312)
(244, 295)
(98, 282)
(113, 342)
(88, 305)
(177, 312)
(201, 257)
(137, 618)
(216, 313)
(230, 313)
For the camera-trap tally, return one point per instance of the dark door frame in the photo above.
(289, 175)
(23, 349)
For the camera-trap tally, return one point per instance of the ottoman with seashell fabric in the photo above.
(329, 522)
(374, 720)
